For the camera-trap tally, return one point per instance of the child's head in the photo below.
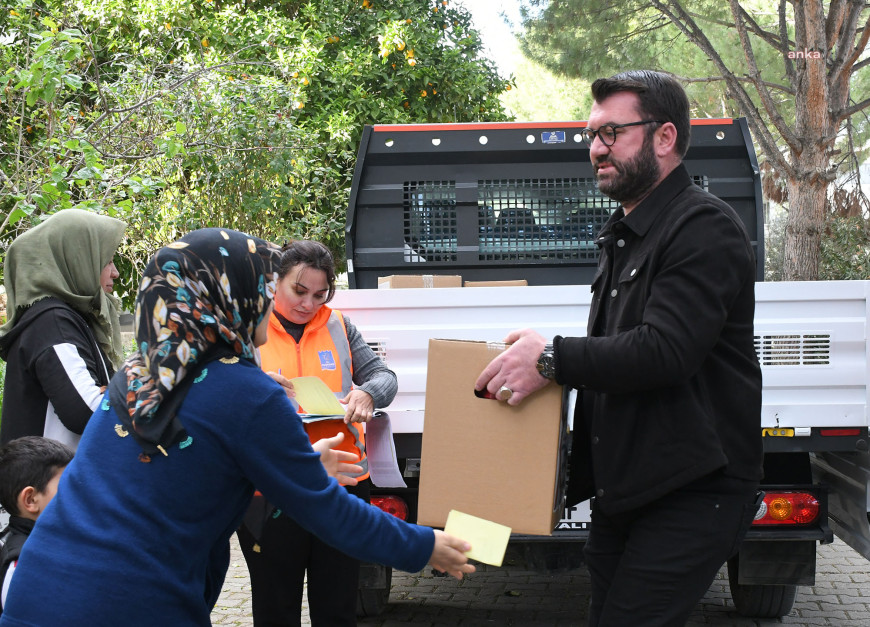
(30, 468)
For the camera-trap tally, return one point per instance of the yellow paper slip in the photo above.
(488, 540)
(315, 397)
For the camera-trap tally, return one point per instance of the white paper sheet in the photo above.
(488, 539)
(381, 452)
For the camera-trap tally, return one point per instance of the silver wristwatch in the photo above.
(547, 363)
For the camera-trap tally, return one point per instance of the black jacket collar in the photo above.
(642, 217)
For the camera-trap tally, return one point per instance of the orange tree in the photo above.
(175, 116)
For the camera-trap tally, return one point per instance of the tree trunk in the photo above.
(804, 228)
(811, 170)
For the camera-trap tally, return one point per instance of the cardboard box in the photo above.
(484, 457)
(397, 281)
(515, 282)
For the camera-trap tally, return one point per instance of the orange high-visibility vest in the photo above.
(323, 352)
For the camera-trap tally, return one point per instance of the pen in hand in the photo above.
(283, 382)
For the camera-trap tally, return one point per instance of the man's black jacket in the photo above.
(670, 381)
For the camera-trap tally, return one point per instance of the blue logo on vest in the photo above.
(327, 361)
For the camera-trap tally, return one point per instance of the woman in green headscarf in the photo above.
(62, 340)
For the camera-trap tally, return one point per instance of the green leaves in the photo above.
(172, 142)
(174, 116)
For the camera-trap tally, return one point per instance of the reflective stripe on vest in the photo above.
(335, 326)
(338, 333)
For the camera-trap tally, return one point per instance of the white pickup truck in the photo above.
(811, 340)
(498, 201)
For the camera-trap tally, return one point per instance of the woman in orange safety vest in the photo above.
(307, 338)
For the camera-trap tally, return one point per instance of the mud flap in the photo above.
(847, 476)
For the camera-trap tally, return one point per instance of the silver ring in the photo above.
(504, 393)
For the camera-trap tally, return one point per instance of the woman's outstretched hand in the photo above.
(448, 555)
(338, 464)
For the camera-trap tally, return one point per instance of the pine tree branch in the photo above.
(846, 64)
(779, 42)
(678, 16)
(859, 48)
(755, 75)
(850, 111)
(783, 33)
(744, 79)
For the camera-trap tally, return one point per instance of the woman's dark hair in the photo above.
(661, 98)
(29, 461)
(312, 255)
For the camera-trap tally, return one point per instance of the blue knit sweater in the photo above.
(131, 543)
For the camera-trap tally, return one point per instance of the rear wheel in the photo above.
(757, 600)
(373, 601)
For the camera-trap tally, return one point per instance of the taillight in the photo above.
(840, 432)
(392, 505)
(787, 508)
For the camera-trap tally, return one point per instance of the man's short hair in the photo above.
(29, 461)
(661, 98)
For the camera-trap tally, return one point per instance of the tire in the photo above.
(759, 601)
(373, 601)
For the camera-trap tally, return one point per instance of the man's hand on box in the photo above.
(515, 368)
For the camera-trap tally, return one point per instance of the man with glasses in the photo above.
(667, 430)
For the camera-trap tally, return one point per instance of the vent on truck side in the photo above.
(380, 349)
(793, 350)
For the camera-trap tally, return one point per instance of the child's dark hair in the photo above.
(311, 254)
(29, 461)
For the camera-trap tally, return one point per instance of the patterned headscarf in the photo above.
(63, 257)
(201, 298)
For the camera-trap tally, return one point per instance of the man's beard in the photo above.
(634, 178)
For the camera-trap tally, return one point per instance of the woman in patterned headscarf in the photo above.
(140, 525)
(62, 340)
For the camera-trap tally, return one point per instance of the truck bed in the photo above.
(810, 337)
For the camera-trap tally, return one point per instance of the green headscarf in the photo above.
(63, 257)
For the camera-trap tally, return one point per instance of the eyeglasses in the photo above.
(607, 132)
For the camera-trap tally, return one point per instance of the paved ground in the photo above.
(511, 596)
